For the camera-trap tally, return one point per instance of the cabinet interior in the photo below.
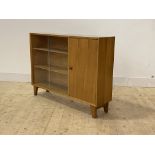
(50, 62)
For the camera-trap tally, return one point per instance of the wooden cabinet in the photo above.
(79, 67)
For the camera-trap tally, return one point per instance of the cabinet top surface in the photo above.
(71, 35)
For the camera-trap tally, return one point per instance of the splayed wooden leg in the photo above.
(106, 107)
(93, 111)
(35, 90)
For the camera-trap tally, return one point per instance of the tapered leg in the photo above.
(106, 107)
(35, 90)
(47, 90)
(93, 111)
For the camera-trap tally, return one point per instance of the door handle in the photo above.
(70, 68)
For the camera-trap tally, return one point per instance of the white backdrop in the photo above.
(134, 47)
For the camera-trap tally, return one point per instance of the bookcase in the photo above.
(78, 67)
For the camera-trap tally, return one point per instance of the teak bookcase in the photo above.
(80, 67)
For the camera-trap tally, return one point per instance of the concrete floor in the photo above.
(132, 111)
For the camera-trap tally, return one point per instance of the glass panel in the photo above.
(50, 55)
(41, 77)
(40, 60)
(59, 43)
(58, 55)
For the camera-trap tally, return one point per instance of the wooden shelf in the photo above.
(44, 85)
(44, 67)
(58, 88)
(59, 70)
(52, 87)
(52, 50)
(59, 51)
(56, 69)
(41, 49)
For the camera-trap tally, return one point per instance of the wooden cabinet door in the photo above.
(83, 68)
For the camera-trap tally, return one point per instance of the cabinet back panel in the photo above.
(38, 41)
(40, 58)
(60, 43)
(83, 61)
(59, 79)
(60, 60)
(41, 76)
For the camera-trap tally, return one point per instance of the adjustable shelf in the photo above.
(44, 85)
(41, 49)
(59, 70)
(56, 69)
(52, 50)
(58, 88)
(44, 67)
(58, 51)
(52, 87)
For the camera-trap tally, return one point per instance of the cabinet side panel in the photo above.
(101, 71)
(109, 69)
(105, 70)
(31, 58)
